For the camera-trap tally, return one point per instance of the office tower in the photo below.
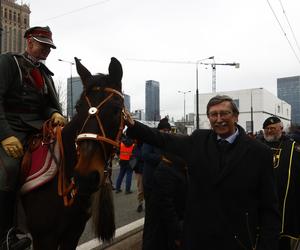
(288, 89)
(127, 101)
(152, 107)
(74, 89)
(14, 22)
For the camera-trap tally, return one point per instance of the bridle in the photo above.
(69, 191)
(94, 112)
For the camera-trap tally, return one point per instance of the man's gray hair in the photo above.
(219, 99)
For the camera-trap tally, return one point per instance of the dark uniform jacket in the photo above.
(286, 160)
(23, 107)
(169, 199)
(226, 209)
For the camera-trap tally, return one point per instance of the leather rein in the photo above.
(69, 191)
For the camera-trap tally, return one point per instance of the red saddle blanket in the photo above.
(43, 166)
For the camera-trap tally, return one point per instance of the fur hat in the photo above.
(164, 124)
(271, 120)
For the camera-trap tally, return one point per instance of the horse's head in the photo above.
(99, 111)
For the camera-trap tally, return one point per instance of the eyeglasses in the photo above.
(222, 114)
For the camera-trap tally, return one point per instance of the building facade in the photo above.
(127, 102)
(288, 89)
(152, 105)
(14, 21)
(262, 103)
(74, 90)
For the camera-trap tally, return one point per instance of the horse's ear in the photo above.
(82, 71)
(115, 71)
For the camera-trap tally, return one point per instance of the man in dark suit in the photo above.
(27, 99)
(286, 160)
(232, 202)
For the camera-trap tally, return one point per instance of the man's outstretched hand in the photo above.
(129, 122)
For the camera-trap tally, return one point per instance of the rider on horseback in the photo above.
(27, 99)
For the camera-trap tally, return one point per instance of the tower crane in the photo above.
(214, 71)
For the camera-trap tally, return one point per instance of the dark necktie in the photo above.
(223, 147)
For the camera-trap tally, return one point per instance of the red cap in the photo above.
(40, 34)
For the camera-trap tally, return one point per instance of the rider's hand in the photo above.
(129, 122)
(58, 119)
(13, 147)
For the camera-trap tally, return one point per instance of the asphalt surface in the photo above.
(125, 207)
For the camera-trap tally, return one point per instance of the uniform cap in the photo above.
(271, 120)
(40, 34)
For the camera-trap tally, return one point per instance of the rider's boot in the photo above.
(8, 236)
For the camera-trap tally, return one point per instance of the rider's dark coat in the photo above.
(286, 160)
(228, 208)
(22, 106)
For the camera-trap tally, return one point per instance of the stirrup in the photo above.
(13, 241)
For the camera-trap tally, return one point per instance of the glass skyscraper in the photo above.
(74, 89)
(288, 89)
(152, 107)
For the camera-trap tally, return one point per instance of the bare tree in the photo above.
(62, 94)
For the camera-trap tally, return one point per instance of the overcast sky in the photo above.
(246, 32)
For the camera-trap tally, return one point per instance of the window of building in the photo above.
(237, 103)
(25, 21)
(248, 126)
(9, 14)
(19, 18)
(5, 13)
(278, 109)
(15, 16)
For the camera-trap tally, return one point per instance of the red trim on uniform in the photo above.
(41, 33)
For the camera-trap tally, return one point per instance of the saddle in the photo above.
(41, 159)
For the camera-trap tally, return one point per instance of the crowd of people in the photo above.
(217, 188)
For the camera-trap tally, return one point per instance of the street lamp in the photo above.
(197, 90)
(71, 86)
(183, 92)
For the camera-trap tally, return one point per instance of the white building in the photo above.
(264, 104)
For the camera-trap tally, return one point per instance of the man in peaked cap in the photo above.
(27, 99)
(286, 162)
(40, 34)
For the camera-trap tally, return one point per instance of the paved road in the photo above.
(125, 208)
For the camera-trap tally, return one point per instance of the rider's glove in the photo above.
(58, 119)
(13, 147)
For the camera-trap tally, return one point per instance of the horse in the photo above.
(57, 212)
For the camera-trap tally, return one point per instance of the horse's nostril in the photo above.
(94, 177)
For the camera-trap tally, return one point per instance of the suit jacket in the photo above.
(23, 107)
(234, 208)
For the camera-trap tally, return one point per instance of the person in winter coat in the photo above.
(232, 201)
(286, 163)
(27, 99)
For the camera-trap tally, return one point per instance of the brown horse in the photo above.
(55, 219)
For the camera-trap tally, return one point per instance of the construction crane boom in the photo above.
(214, 72)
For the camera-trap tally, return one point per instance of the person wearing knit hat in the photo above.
(286, 163)
(164, 125)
